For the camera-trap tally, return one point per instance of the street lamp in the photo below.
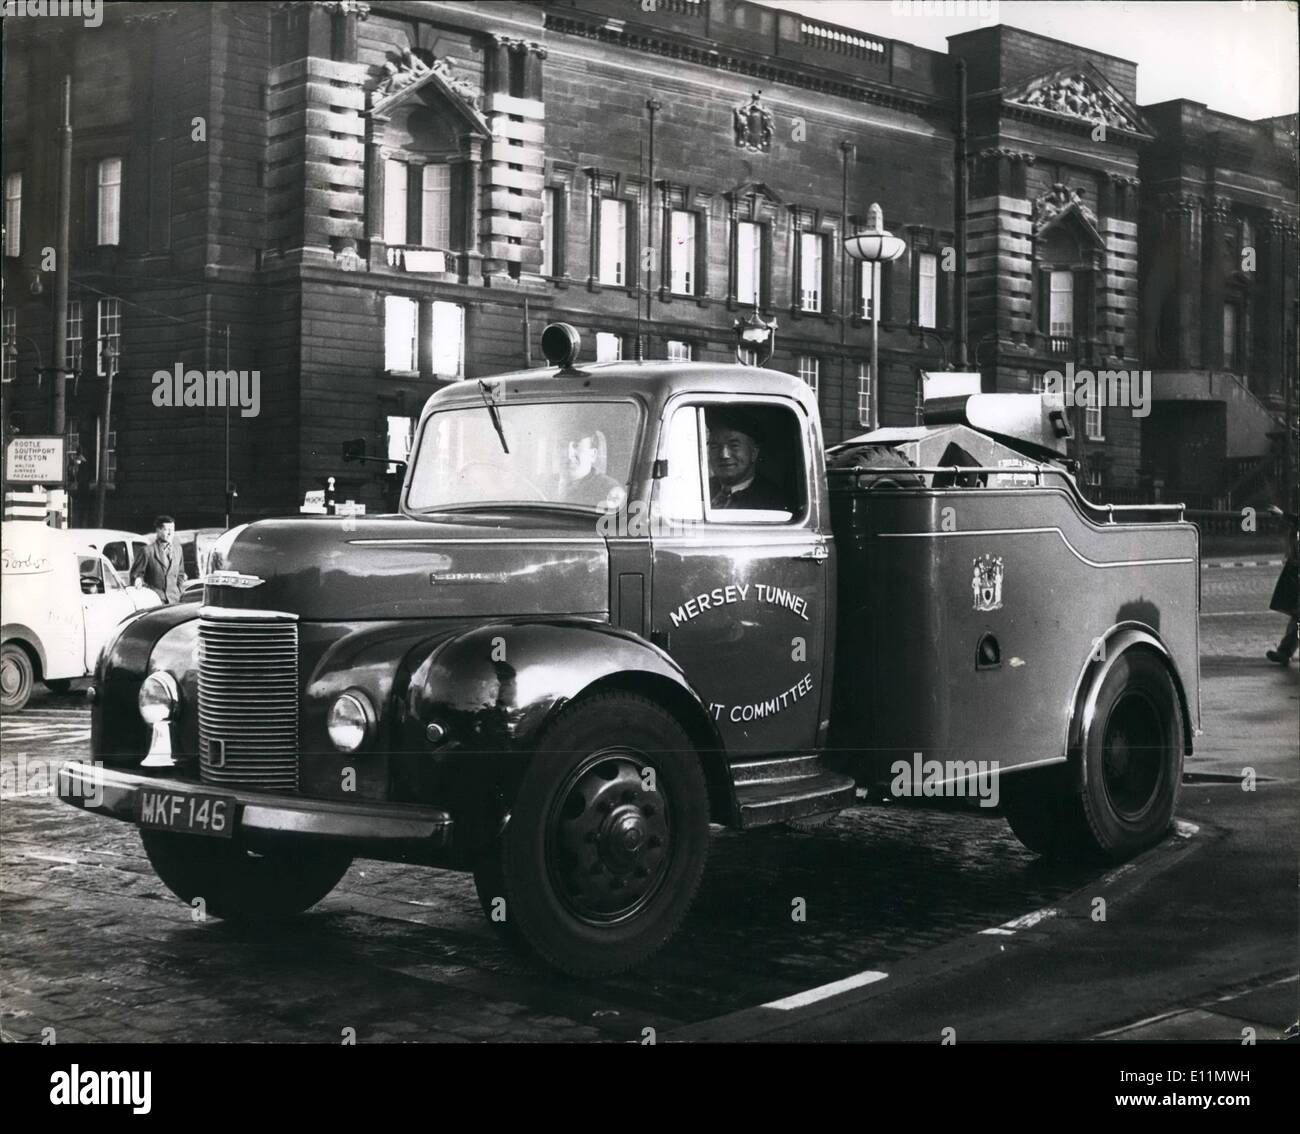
(873, 246)
(755, 333)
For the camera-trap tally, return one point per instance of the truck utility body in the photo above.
(625, 600)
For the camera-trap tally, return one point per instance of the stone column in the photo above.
(1215, 266)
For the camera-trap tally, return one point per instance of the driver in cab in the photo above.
(586, 483)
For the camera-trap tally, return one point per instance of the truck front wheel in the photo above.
(607, 838)
(237, 885)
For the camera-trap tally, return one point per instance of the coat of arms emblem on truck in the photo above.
(986, 582)
(567, 721)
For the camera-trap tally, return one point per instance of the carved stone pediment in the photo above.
(1059, 202)
(1083, 94)
(407, 73)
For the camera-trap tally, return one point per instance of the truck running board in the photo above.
(788, 787)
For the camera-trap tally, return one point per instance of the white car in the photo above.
(60, 602)
(118, 547)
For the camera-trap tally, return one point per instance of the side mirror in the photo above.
(354, 450)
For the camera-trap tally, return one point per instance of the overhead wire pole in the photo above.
(62, 269)
(652, 105)
(849, 152)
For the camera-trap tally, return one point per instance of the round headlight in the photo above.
(159, 698)
(350, 721)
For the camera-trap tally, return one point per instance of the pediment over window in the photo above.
(1082, 92)
(1061, 207)
(413, 76)
(755, 192)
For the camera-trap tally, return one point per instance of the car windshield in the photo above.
(575, 454)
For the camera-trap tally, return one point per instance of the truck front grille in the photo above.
(248, 699)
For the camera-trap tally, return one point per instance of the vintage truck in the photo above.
(586, 638)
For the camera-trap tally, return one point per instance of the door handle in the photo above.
(819, 554)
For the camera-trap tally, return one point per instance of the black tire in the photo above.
(238, 885)
(60, 686)
(1131, 761)
(597, 873)
(17, 677)
(879, 457)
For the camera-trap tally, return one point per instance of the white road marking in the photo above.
(812, 995)
(1185, 830)
(998, 931)
(1030, 919)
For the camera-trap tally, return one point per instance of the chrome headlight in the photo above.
(159, 698)
(351, 720)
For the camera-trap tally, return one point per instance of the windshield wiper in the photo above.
(484, 391)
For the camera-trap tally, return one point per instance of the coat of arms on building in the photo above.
(986, 582)
(754, 125)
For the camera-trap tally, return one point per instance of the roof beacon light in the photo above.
(560, 344)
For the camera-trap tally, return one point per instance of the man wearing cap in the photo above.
(733, 465)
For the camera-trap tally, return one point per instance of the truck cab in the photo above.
(613, 609)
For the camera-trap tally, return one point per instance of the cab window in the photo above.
(735, 463)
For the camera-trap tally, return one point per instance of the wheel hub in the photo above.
(10, 679)
(1133, 749)
(609, 840)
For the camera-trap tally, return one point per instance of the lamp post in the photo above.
(873, 246)
(755, 333)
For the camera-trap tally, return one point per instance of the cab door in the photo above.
(740, 597)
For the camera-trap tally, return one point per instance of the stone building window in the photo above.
(927, 296)
(13, 213)
(550, 243)
(682, 252)
(612, 234)
(395, 190)
(447, 351)
(679, 351)
(8, 357)
(810, 371)
(108, 179)
(72, 341)
(435, 206)
(865, 285)
(864, 393)
(1060, 315)
(751, 263)
(609, 347)
(109, 335)
(812, 258)
(1093, 423)
(401, 324)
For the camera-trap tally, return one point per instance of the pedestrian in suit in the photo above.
(1285, 600)
(160, 565)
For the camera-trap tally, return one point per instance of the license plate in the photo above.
(188, 812)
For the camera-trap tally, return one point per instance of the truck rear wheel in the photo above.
(1132, 758)
(16, 677)
(238, 885)
(607, 838)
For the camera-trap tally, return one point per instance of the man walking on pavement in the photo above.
(159, 566)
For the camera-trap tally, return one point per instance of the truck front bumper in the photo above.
(116, 794)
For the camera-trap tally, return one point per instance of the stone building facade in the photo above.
(363, 201)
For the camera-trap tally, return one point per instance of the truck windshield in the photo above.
(576, 454)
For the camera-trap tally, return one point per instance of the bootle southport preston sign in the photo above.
(34, 460)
